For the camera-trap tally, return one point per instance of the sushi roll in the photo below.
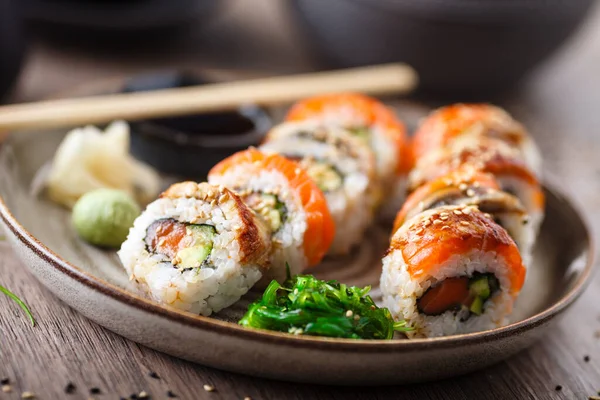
(197, 248)
(372, 122)
(490, 156)
(289, 201)
(459, 121)
(342, 167)
(451, 270)
(468, 186)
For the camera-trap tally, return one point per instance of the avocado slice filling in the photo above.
(459, 293)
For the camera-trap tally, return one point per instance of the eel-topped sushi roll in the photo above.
(375, 124)
(470, 187)
(341, 166)
(366, 118)
(490, 156)
(451, 270)
(462, 121)
(285, 196)
(198, 248)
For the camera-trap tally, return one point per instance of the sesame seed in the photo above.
(153, 375)
(27, 395)
(465, 223)
(349, 313)
(558, 388)
(445, 227)
(70, 388)
(444, 217)
(462, 186)
(209, 388)
(586, 358)
(171, 395)
(95, 390)
(4, 381)
(457, 212)
(470, 192)
(143, 395)
(6, 388)
(437, 222)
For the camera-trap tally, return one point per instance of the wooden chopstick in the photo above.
(374, 80)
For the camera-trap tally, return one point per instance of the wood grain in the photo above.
(559, 104)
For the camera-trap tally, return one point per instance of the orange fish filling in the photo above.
(167, 237)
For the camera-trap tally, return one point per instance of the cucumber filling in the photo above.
(361, 132)
(269, 207)
(186, 246)
(325, 175)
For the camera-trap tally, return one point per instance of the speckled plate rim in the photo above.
(330, 344)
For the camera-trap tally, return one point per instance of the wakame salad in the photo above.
(305, 305)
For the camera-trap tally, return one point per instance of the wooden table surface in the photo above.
(561, 106)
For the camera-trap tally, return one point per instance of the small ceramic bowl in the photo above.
(460, 49)
(186, 146)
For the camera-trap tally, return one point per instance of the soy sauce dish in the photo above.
(174, 145)
(289, 247)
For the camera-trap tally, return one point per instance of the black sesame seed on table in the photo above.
(95, 390)
(171, 395)
(5, 381)
(70, 388)
(586, 358)
(153, 375)
(558, 388)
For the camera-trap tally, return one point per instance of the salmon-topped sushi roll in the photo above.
(375, 124)
(340, 166)
(198, 248)
(455, 122)
(491, 156)
(451, 270)
(468, 186)
(286, 197)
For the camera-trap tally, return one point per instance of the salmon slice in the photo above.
(320, 229)
(357, 110)
(428, 241)
(449, 293)
(448, 123)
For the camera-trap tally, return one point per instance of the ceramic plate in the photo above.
(93, 282)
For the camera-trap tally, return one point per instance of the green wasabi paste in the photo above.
(103, 217)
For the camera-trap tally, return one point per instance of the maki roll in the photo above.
(341, 166)
(451, 270)
(285, 196)
(372, 122)
(468, 186)
(198, 248)
(490, 156)
(462, 121)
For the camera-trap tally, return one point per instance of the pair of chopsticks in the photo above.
(375, 80)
